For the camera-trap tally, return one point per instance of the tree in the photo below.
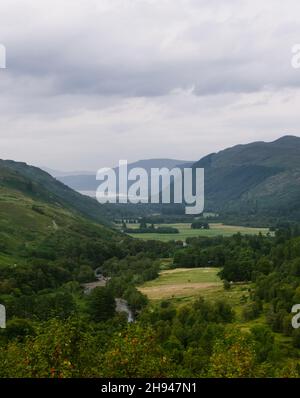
(199, 225)
(136, 300)
(143, 224)
(101, 304)
(85, 274)
(264, 343)
(18, 328)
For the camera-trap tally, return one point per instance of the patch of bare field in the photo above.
(177, 290)
(176, 270)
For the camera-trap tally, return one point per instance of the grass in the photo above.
(181, 283)
(25, 221)
(185, 231)
(184, 285)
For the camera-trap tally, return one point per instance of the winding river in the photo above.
(121, 304)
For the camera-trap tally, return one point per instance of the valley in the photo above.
(177, 298)
(185, 231)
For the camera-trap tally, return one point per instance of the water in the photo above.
(122, 306)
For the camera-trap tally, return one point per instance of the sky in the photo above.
(89, 82)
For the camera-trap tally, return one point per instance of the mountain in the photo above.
(256, 178)
(42, 186)
(42, 219)
(259, 178)
(88, 183)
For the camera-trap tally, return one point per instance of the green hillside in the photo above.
(39, 214)
(40, 185)
(256, 178)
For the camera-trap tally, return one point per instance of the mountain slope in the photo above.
(41, 185)
(38, 219)
(259, 177)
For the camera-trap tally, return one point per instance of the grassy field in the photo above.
(181, 283)
(185, 231)
(184, 285)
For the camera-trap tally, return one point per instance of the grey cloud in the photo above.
(177, 78)
(122, 51)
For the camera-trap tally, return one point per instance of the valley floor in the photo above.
(185, 231)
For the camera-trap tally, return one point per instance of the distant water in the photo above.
(92, 194)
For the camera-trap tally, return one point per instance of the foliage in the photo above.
(233, 357)
(135, 353)
(101, 304)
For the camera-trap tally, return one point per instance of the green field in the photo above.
(181, 283)
(184, 285)
(185, 231)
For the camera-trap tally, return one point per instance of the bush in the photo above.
(251, 311)
(226, 285)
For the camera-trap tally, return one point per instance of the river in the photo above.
(122, 306)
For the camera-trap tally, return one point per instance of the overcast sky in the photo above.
(89, 82)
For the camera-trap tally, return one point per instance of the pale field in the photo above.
(181, 282)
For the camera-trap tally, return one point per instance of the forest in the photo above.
(55, 329)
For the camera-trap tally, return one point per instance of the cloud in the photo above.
(91, 82)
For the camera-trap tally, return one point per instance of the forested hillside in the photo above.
(257, 178)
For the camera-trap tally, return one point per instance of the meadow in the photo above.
(185, 231)
(184, 285)
(181, 283)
